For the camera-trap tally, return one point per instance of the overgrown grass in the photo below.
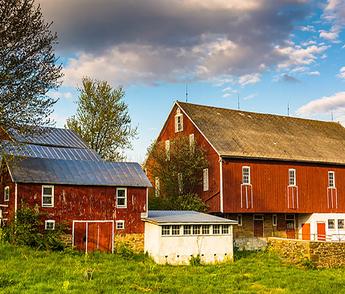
(25, 270)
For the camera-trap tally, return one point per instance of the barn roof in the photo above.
(184, 217)
(77, 172)
(237, 134)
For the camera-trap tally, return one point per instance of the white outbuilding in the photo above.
(173, 237)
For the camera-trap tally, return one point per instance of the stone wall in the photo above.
(135, 242)
(319, 254)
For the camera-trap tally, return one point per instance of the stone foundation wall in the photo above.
(319, 254)
(135, 242)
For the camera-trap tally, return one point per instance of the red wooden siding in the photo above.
(271, 192)
(212, 196)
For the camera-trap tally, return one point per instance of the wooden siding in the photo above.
(212, 196)
(269, 184)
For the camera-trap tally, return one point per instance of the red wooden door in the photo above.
(258, 228)
(321, 231)
(79, 236)
(305, 231)
(290, 229)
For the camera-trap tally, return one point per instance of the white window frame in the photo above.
(178, 122)
(46, 195)
(167, 149)
(120, 222)
(293, 179)
(191, 142)
(246, 182)
(166, 227)
(174, 229)
(219, 229)
(157, 187)
(333, 179)
(49, 221)
(239, 220)
(205, 180)
(274, 220)
(343, 221)
(7, 193)
(180, 182)
(117, 204)
(334, 224)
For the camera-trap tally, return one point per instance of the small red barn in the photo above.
(70, 184)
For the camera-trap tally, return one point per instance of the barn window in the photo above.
(239, 220)
(205, 230)
(196, 230)
(205, 179)
(246, 175)
(331, 179)
(175, 230)
(167, 149)
(7, 193)
(121, 197)
(187, 229)
(47, 196)
(165, 230)
(157, 187)
(292, 177)
(340, 223)
(216, 229)
(180, 182)
(49, 224)
(178, 121)
(274, 220)
(331, 224)
(120, 225)
(191, 142)
(225, 229)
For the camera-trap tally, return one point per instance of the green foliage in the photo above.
(28, 68)
(102, 119)
(180, 174)
(28, 230)
(195, 260)
(24, 270)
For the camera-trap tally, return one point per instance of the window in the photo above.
(178, 121)
(167, 149)
(225, 229)
(292, 177)
(205, 179)
(7, 193)
(121, 197)
(246, 175)
(239, 220)
(165, 230)
(258, 217)
(196, 230)
(191, 142)
(340, 223)
(274, 220)
(187, 230)
(175, 230)
(331, 224)
(157, 187)
(205, 230)
(120, 225)
(180, 182)
(290, 217)
(47, 196)
(49, 224)
(331, 179)
(216, 229)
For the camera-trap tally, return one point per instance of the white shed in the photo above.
(175, 236)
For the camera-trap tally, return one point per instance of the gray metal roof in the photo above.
(184, 217)
(52, 137)
(77, 172)
(30, 150)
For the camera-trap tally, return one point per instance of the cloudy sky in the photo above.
(269, 53)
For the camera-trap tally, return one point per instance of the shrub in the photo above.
(195, 260)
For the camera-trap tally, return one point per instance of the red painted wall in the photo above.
(269, 181)
(211, 197)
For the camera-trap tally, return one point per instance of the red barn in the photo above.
(277, 175)
(70, 184)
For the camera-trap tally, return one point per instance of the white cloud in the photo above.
(250, 96)
(313, 73)
(324, 105)
(341, 73)
(249, 79)
(331, 35)
(61, 95)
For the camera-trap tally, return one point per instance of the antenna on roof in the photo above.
(332, 115)
(186, 92)
(288, 109)
(238, 101)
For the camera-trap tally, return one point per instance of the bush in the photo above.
(27, 230)
(195, 260)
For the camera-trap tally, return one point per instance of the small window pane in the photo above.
(216, 229)
(331, 224)
(225, 229)
(7, 193)
(274, 220)
(292, 177)
(205, 230)
(340, 223)
(47, 190)
(165, 230)
(47, 200)
(50, 225)
(245, 175)
(176, 230)
(205, 179)
(196, 230)
(120, 225)
(239, 219)
(187, 229)
(331, 182)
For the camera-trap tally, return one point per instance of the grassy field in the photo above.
(23, 270)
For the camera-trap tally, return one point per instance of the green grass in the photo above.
(24, 270)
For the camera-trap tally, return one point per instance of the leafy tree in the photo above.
(102, 119)
(179, 171)
(28, 68)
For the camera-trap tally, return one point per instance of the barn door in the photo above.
(258, 221)
(321, 231)
(290, 226)
(306, 231)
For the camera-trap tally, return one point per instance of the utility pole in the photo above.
(238, 101)
(288, 109)
(186, 92)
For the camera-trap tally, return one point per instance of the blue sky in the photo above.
(270, 53)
